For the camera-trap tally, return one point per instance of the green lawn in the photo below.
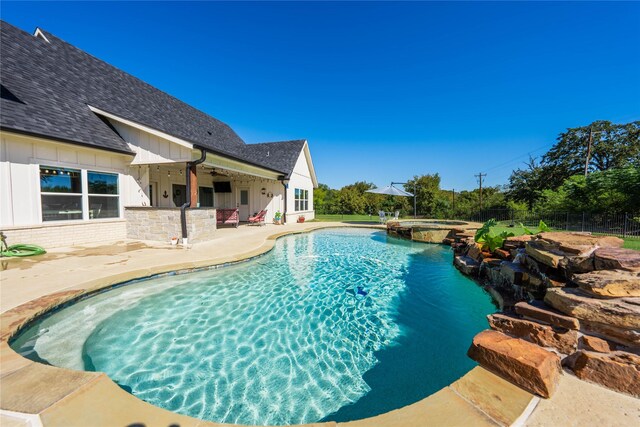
(632, 243)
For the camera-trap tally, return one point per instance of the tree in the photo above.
(612, 190)
(427, 188)
(321, 198)
(526, 185)
(612, 146)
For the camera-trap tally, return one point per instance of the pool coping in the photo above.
(59, 396)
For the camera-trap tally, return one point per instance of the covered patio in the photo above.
(202, 187)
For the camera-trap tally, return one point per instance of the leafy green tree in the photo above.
(527, 185)
(350, 201)
(320, 198)
(427, 190)
(613, 190)
(612, 146)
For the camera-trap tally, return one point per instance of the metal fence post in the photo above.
(567, 223)
(583, 221)
(624, 227)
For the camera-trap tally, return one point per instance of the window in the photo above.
(61, 191)
(66, 195)
(104, 199)
(205, 197)
(301, 199)
(179, 194)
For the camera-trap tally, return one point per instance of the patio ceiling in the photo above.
(237, 168)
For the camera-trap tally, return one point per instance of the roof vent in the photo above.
(267, 153)
(209, 132)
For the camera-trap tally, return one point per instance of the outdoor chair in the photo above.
(259, 218)
(228, 216)
(396, 215)
(383, 217)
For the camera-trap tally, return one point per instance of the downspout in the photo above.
(282, 179)
(183, 208)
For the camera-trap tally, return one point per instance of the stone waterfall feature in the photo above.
(569, 299)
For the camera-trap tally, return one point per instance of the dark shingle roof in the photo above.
(49, 102)
(281, 156)
(54, 82)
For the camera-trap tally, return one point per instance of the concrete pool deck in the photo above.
(33, 394)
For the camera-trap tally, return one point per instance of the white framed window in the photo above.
(301, 200)
(104, 195)
(61, 193)
(75, 194)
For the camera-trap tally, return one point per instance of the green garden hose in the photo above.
(22, 250)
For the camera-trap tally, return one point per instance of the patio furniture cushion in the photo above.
(228, 216)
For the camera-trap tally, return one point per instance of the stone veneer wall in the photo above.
(62, 235)
(148, 223)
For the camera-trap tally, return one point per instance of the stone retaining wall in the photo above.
(161, 224)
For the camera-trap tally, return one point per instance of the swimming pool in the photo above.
(337, 324)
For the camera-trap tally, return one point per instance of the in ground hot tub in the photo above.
(430, 230)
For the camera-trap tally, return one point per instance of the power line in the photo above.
(517, 158)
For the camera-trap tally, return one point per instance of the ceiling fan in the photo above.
(215, 172)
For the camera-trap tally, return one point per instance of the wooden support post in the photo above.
(193, 176)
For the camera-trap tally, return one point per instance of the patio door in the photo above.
(243, 204)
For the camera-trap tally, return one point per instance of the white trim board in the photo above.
(142, 127)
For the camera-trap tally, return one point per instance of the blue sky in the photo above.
(382, 91)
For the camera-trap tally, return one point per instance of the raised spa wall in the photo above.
(431, 231)
(161, 224)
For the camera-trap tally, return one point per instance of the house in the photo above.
(89, 152)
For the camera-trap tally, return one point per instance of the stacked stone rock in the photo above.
(579, 308)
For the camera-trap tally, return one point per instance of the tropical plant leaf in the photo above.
(484, 230)
(526, 230)
(543, 227)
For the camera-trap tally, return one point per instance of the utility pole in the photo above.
(586, 163)
(480, 176)
(453, 200)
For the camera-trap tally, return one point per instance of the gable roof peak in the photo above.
(38, 33)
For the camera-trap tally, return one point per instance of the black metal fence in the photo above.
(622, 224)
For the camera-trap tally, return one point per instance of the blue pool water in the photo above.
(337, 325)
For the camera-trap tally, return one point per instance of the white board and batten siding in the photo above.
(152, 149)
(20, 199)
(300, 178)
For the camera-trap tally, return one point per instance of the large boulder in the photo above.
(475, 251)
(540, 311)
(609, 283)
(548, 257)
(467, 265)
(591, 343)
(515, 242)
(502, 254)
(571, 265)
(620, 312)
(629, 337)
(563, 340)
(523, 363)
(618, 370)
(577, 244)
(617, 259)
(512, 272)
(570, 252)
